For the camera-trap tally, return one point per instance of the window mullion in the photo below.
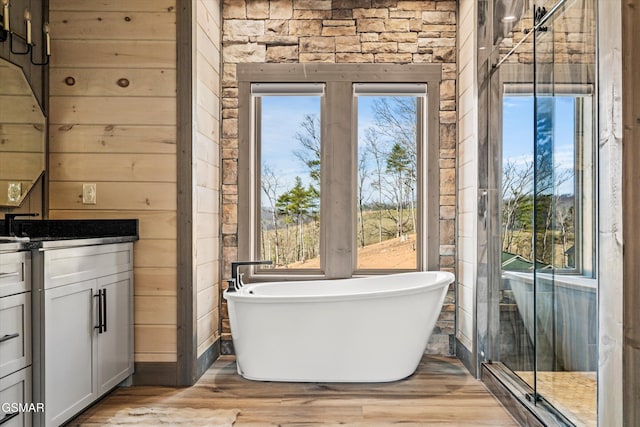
(338, 183)
(432, 147)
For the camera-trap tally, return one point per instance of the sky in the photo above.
(281, 119)
(518, 133)
(282, 115)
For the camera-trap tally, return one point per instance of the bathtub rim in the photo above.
(243, 295)
(570, 281)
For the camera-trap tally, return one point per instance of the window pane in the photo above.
(562, 230)
(387, 182)
(573, 163)
(289, 141)
(565, 241)
(517, 182)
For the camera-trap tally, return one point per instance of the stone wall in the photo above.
(570, 38)
(342, 31)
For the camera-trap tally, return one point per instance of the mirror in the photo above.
(22, 136)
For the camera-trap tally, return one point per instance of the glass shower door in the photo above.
(548, 290)
(514, 81)
(544, 201)
(564, 218)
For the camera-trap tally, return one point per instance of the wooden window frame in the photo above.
(338, 123)
(511, 83)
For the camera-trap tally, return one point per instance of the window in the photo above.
(288, 145)
(390, 139)
(565, 182)
(333, 176)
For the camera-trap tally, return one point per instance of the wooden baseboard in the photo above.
(466, 357)
(166, 374)
(156, 373)
(207, 358)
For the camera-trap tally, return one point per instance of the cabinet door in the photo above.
(70, 350)
(15, 273)
(115, 344)
(15, 333)
(15, 391)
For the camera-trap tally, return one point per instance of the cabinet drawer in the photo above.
(15, 272)
(15, 333)
(15, 390)
(72, 265)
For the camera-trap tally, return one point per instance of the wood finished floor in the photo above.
(440, 393)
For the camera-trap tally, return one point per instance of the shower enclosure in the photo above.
(541, 257)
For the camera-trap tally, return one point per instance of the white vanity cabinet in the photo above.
(15, 337)
(85, 327)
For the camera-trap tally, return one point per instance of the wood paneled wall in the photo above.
(206, 159)
(113, 123)
(614, 159)
(467, 166)
(630, 203)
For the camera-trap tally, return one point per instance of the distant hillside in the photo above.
(392, 253)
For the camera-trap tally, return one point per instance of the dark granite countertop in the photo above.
(53, 233)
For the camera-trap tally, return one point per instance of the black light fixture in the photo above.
(6, 33)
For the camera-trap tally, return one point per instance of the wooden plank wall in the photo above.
(206, 153)
(631, 203)
(467, 173)
(113, 123)
(611, 258)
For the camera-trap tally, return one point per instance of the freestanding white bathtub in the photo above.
(372, 329)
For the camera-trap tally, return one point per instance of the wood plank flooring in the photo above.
(440, 393)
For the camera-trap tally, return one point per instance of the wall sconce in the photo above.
(6, 33)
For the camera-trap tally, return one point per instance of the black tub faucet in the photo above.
(235, 282)
(8, 221)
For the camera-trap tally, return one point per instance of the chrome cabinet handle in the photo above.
(9, 337)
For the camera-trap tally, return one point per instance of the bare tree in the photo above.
(362, 177)
(517, 186)
(518, 199)
(376, 149)
(566, 222)
(271, 188)
(396, 118)
(397, 167)
(555, 181)
(309, 139)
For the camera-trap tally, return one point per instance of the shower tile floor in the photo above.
(440, 393)
(572, 393)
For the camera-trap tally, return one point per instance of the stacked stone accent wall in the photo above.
(571, 38)
(342, 31)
